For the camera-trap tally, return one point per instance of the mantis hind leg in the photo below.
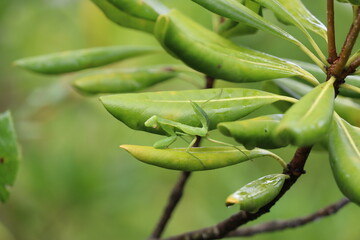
(188, 151)
(227, 144)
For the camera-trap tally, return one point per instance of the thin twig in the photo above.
(273, 226)
(331, 31)
(295, 170)
(350, 40)
(174, 198)
(178, 190)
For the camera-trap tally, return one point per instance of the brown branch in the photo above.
(178, 190)
(174, 199)
(273, 226)
(295, 170)
(350, 40)
(331, 31)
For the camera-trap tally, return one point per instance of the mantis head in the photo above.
(152, 122)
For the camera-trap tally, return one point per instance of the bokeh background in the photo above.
(75, 183)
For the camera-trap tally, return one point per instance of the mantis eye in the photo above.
(152, 122)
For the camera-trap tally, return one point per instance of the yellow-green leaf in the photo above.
(197, 159)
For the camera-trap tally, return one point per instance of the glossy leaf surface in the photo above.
(208, 52)
(308, 120)
(257, 193)
(122, 80)
(344, 150)
(136, 8)
(254, 132)
(344, 106)
(123, 19)
(9, 155)
(220, 105)
(197, 159)
(70, 61)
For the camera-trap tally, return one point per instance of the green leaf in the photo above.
(197, 159)
(124, 19)
(308, 120)
(9, 155)
(208, 52)
(254, 132)
(123, 80)
(70, 61)
(344, 106)
(230, 28)
(136, 8)
(294, 12)
(257, 193)
(344, 151)
(220, 105)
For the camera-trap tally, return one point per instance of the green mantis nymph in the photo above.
(169, 127)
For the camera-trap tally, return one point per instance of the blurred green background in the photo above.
(75, 183)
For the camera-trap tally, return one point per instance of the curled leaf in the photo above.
(70, 61)
(230, 28)
(220, 105)
(136, 8)
(123, 19)
(123, 80)
(344, 151)
(254, 132)
(207, 52)
(196, 159)
(257, 193)
(308, 120)
(9, 155)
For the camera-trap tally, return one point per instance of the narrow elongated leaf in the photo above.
(197, 159)
(254, 132)
(257, 193)
(344, 151)
(344, 106)
(220, 105)
(124, 19)
(70, 61)
(294, 12)
(123, 80)
(216, 56)
(136, 8)
(308, 120)
(9, 155)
